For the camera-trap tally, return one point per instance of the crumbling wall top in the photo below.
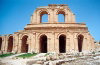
(54, 6)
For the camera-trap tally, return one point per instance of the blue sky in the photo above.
(15, 14)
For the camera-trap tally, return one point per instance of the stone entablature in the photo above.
(51, 36)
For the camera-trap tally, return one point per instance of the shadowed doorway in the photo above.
(0, 43)
(43, 44)
(24, 46)
(62, 43)
(80, 42)
(10, 44)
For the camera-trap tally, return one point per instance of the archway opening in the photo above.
(10, 44)
(44, 17)
(80, 42)
(62, 43)
(61, 16)
(0, 43)
(24, 46)
(43, 44)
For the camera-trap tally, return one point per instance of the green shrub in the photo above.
(27, 55)
(5, 55)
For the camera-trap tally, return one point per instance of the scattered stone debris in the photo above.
(54, 59)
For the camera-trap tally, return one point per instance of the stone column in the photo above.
(15, 43)
(3, 44)
(50, 42)
(6, 44)
(38, 19)
(55, 16)
(37, 49)
(85, 44)
(66, 18)
(71, 42)
(56, 45)
(19, 43)
(69, 17)
(49, 18)
(29, 43)
(75, 42)
(67, 43)
(32, 42)
(52, 16)
(34, 19)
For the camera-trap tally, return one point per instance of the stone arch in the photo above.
(43, 12)
(0, 43)
(10, 44)
(80, 39)
(43, 44)
(24, 44)
(61, 34)
(62, 11)
(61, 14)
(62, 43)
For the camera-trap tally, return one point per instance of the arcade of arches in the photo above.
(50, 36)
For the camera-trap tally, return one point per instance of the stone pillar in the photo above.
(66, 18)
(71, 42)
(32, 42)
(19, 43)
(34, 18)
(56, 45)
(6, 44)
(15, 43)
(52, 16)
(55, 16)
(29, 43)
(69, 17)
(3, 44)
(37, 47)
(49, 18)
(50, 42)
(38, 19)
(67, 43)
(75, 42)
(85, 44)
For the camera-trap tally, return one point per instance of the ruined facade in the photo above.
(51, 36)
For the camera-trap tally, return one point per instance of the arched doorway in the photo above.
(80, 42)
(10, 44)
(62, 43)
(43, 44)
(24, 46)
(0, 43)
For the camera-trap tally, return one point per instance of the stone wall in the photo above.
(29, 39)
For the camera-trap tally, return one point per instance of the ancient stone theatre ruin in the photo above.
(51, 36)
